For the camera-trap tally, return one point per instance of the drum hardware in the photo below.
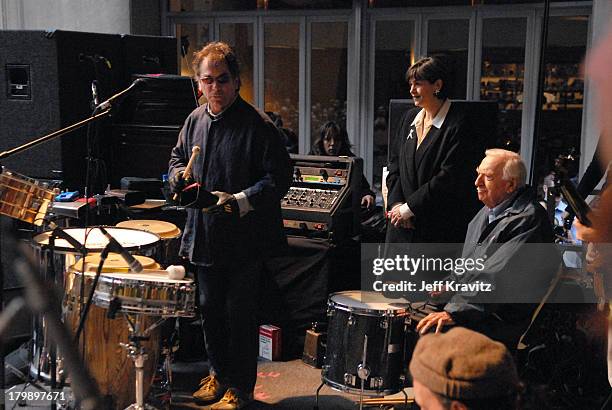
(138, 354)
(363, 371)
(366, 345)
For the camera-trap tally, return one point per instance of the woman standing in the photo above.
(432, 165)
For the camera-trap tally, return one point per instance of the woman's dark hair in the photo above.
(339, 132)
(432, 69)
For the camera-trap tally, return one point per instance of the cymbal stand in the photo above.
(138, 354)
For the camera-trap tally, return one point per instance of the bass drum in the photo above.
(365, 325)
(105, 359)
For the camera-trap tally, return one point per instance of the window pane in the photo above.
(329, 74)
(240, 37)
(563, 91)
(282, 72)
(193, 37)
(431, 3)
(394, 55)
(503, 70)
(451, 37)
(228, 5)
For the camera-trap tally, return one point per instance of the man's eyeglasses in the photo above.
(222, 79)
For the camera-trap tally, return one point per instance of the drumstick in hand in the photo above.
(195, 151)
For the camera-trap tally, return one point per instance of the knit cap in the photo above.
(462, 364)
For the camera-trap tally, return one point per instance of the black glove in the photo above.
(178, 183)
(194, 196)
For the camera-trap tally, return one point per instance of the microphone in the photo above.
(116, 247)
(137, 84)
(195, 151)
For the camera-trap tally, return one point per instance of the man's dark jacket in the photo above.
(242, 150)
(520, 262)
(437, 179)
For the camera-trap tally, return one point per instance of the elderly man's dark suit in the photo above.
(436, 180)
(520, 261)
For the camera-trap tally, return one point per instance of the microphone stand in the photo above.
(101, 111)
(54, 134)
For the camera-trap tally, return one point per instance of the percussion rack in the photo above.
(101, 111)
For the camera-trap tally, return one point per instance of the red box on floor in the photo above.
(270, 342)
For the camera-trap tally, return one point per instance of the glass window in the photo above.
(192, 38)
(329, 75)
(282, 72)
(228, 5)
(240, 37)
(502, 73)
(451, 37)
(431, 3)
(394, 54)
(563, 92)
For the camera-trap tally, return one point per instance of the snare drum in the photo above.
(147, 293)
(24, 198)
(106, 360)
(76, 281)
(360, 329)
(169, 233)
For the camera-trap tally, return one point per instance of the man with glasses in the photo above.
(244, 163)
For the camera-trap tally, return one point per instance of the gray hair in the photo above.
(514, 167)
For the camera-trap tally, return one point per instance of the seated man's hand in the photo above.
(367, 201)
(584, 233)
(439, 319)
(398, 220)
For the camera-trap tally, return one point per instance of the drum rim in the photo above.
(176, 231)
(37, 240)
(398, 312)
(109, 277)
(354, 390)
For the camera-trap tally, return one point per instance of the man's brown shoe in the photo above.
(210, 389)
(233, 399)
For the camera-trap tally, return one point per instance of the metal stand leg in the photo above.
(138, 354)
(405, 399)
(363, 371)
(316, 407)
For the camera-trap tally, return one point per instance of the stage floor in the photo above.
(287, 385)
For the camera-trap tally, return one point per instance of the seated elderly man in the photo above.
(512, 234)
(463, 370)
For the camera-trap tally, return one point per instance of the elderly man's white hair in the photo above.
(514, 167)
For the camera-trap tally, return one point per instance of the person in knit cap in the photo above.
(463, 370)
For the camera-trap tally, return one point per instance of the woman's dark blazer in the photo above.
(437, 179)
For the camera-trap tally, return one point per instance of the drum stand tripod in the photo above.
(136, 352)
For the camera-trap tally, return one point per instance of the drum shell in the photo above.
(159, 296)
(106, 360)
(386, 355)
(24, 198)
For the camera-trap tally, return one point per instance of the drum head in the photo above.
(130, 239)
(113, 263)
(368, 302)
(164, 230)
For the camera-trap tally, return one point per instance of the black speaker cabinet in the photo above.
(148, 55)
(47, 78)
